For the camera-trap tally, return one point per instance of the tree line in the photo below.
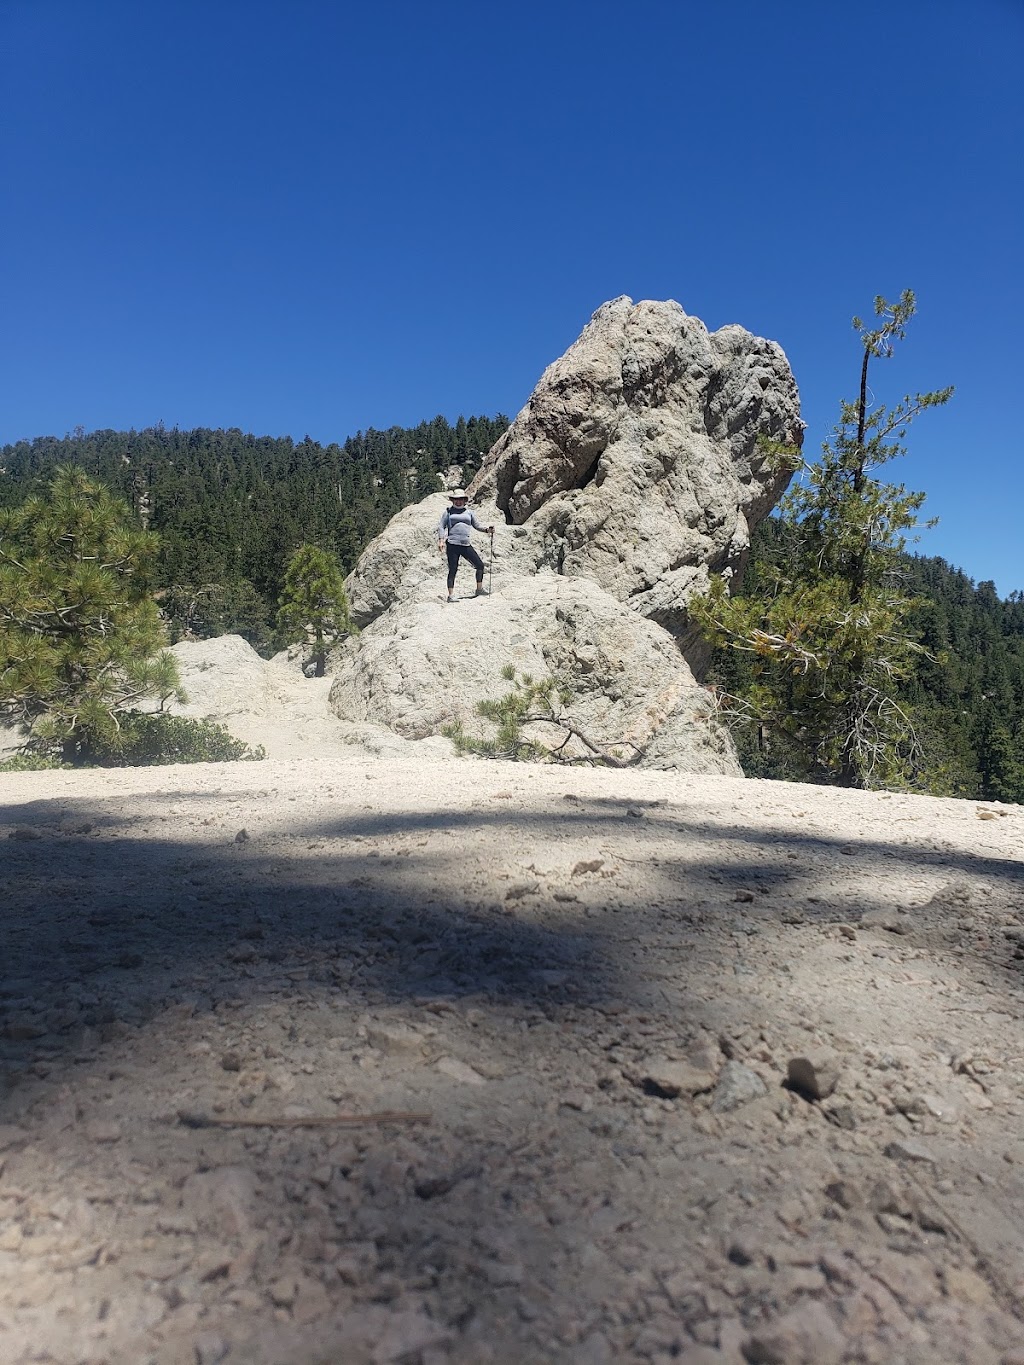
(231, 508)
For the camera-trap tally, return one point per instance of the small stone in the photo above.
(210, 1348)
(910, 1150)
(893, 921)
(806, 1336)
(814, 1076)
(408, 1334)
(242, 837)
(231, 1061)
(586, 865)
(518, 890)
(550, 977)
(396, 1040)
(593, 1350)
(744, 895)
(842, 1116)
(284, 1292)
(502, 1273)
(737, 1085)
(459, 1071)
(968, 1287)
(847, 931)
(845, 1193)
(102, 1130)
(672, 1079)
(177, 1223)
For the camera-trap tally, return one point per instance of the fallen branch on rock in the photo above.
(538, 701)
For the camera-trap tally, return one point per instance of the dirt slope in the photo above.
(592, 983)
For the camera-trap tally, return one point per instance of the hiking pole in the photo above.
(490, 562)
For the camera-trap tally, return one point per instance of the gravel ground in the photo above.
(586, 995)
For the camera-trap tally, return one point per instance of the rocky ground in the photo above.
(591, 987)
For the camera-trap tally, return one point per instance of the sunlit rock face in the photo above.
(638, 467)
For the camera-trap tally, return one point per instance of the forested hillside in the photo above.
(965, 694)
(231, 507)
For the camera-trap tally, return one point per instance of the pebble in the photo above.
(586, 865)
(910, 1150)
(396, 1040)
(806, 1336)
(518, 890)
(102, 1130)
(814, 1076)
(210, 1348)
(737, 1085)
(459, 1071)
(885, 917)
(659, 1076)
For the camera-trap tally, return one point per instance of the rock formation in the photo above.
(634, 472)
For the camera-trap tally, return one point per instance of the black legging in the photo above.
(457, 552)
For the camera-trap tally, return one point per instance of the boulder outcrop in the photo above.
(637, 468)
(632, 690)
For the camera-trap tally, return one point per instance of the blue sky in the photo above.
(311, 216)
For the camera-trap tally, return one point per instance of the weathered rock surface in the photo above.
(632, 689)
(636, 460)
(636, 463)
(635, 468)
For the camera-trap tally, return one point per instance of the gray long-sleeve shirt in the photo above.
(456, 523)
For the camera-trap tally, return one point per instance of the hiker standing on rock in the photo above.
(453, 534)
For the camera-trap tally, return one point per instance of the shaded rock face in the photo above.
(635, 469)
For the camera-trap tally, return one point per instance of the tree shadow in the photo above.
(290, 947)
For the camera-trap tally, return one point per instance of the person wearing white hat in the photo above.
(453, 535)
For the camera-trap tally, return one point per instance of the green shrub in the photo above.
(147, 739)
(30, 763)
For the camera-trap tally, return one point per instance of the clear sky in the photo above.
(310, 216)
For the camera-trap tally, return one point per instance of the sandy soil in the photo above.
(591, 983)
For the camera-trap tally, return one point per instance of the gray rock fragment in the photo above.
(737, 1085)
(909, 1150)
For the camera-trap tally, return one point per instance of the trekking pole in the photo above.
(490, 562)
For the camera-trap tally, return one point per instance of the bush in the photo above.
(143, 740)
(30, 763)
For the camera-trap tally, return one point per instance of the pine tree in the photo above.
(831, 637)
(80, 635)
(314, 608)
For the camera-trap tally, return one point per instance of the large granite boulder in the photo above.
(425, 665)
(639, 466)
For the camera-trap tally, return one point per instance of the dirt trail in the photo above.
(592, 982)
